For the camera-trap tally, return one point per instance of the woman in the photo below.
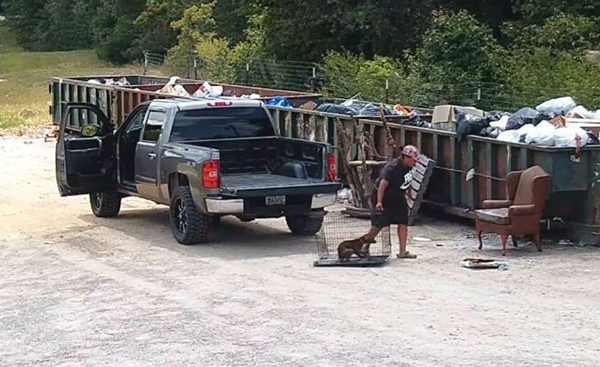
(389, 198)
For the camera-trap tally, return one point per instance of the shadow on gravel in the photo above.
(231, 239)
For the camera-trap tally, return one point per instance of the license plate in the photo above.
(275, 200)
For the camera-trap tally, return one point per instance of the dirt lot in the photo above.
(79, 291)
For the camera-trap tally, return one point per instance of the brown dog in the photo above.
(359, 247)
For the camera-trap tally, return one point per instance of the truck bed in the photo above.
(263, 184)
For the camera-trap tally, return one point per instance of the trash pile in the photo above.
(358, 108)
(123, 82)
(206, 90)
(558, 122)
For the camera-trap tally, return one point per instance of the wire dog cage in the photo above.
(338, 228)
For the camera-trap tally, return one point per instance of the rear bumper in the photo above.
(225, 206)
(237, 206)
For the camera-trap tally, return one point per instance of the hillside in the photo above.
(24, 76)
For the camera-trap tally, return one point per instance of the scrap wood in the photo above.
(362, 152)
(351, 174)
(388, 133)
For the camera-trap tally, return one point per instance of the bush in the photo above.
(539, 75)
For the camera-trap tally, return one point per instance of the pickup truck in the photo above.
(204, 158)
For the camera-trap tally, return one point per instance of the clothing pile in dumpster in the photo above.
(558, 122)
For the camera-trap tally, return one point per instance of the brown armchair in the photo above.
(521, 213)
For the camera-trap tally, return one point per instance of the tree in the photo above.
(68, 24)
(27, 19)
(155, 33)
(458, 52)
(113, 29)
(537, 11)
(306, 30)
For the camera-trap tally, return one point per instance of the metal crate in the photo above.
(338, 227)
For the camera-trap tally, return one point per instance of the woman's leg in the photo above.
(402, 238)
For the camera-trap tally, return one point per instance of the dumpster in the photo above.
(574, 195)
(117, 101)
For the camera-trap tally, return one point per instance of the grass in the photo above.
(24, 76)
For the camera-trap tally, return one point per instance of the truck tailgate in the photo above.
(253, 185)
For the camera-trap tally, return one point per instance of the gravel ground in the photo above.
(79, 291)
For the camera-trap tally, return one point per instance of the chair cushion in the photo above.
(496, 216)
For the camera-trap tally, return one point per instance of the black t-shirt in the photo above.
(399, 177)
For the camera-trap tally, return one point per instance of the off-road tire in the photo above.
(105, 204)
(304, 224)
(188, 224)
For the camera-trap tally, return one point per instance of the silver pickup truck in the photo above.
(203, 158)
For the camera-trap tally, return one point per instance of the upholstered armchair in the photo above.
(520, 214)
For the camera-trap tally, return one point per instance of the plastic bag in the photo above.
(173, 88)
(525, 116)
(593, 139)
(337, 108)
(557, 106)
(279, 102)
(542, 134)
(500, 124)
(491, 132)
(207, 90)
(570, 137)
(470, 125)
(509, 136)
(581, 112)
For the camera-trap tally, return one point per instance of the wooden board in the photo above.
(414, 194)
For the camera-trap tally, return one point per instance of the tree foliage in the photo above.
(428, 51)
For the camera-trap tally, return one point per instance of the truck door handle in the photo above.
(151, 155)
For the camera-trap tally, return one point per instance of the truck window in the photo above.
(221, 123)
(154, 125)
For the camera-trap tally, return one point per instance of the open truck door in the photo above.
(85, 154)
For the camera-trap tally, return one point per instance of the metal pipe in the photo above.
(476, 174)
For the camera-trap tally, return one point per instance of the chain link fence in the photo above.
(303, 76)
(268, 73)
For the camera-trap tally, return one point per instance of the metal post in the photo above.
(387, 89)
(247, 73)
(145, 62)
(313, 80)
(195, 68)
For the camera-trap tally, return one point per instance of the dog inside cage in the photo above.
(342, 242)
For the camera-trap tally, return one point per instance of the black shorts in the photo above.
(395, 211)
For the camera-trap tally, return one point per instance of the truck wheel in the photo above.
(189, 225)
(304, 224)
(105, 204)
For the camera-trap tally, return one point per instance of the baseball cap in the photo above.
(411, 151)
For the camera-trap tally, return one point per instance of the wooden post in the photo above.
(351, 175)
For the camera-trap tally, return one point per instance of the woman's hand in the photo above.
(379, 206)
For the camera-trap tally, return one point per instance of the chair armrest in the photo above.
(495, 204)
(519, 210)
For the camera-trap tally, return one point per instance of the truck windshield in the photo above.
(221, 123)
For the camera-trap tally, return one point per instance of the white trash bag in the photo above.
(500, 124)
(509, 136)
(570, 137)
(557, 106)
(542, 134)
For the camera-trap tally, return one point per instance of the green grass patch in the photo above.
(24, 77)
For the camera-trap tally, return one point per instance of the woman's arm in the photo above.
(381, 191)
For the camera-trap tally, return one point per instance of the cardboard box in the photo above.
(448, 113)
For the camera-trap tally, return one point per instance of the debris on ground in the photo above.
(422, 239)
(476, 263)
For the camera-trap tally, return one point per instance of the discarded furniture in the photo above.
(520, 214)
